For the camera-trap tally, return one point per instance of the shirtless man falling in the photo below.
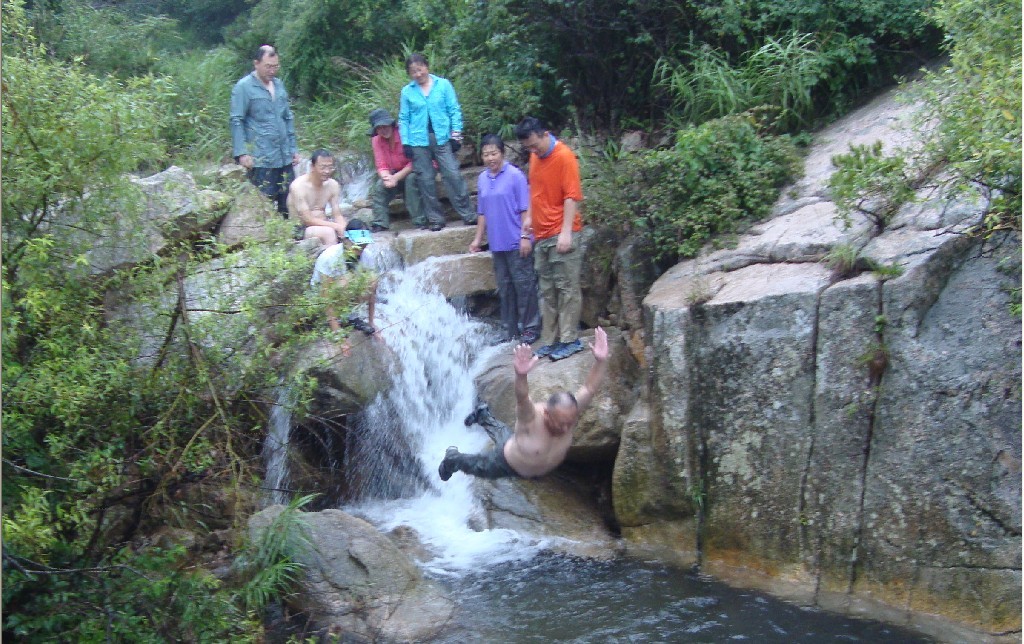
(543, 432)
(309, 196)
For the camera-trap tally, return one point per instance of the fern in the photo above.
(267, 564)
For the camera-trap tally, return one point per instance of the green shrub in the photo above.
(871, 183)
(196, 103)
(110, 40)
(148, 596)
(110, 423)
(52, 108)
(500, 72)
(976, 102)
(971, 122)
(782, 73)
(714, 177)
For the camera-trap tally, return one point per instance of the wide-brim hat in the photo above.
(379, 117)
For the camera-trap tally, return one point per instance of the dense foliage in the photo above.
(120, 419)
(971, 110)
(585, 65)
(715, 177)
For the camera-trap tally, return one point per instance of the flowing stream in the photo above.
(509, 586)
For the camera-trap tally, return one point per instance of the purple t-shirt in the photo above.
(502, 199)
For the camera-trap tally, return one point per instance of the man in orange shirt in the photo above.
(553, 218)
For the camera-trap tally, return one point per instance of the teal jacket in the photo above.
(442, 105)
(262, 126)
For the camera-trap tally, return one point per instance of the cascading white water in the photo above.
(358, 186)
(438, 353)
(394, 446)
(275, 448)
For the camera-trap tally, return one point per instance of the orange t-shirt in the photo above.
(553, 179)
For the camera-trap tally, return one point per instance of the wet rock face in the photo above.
(853, 442)
(356, 581)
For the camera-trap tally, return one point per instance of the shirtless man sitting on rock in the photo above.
(543, 432)
(309, 196)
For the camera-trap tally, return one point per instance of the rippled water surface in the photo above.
(558, 599)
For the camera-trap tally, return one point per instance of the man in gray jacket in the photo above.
(263, 129)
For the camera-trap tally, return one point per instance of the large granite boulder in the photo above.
(850, 441)
(355, 581)
(251, 217)
(167, 207)
(559, 509)
(349, 373)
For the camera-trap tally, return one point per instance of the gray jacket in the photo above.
(262, 126)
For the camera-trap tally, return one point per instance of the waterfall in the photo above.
(275, 448)
(357, 176)
(393, 447)
(438, 353)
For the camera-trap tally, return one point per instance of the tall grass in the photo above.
(341, 119)
(196, 122)
(112, 40)
(493, 97)
(782, 73)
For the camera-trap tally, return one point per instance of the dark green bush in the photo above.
(196, 102)
(111, 40)
(500, 73)
(319, 40)
(716, 176)
(971, 119)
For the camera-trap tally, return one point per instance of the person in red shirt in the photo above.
(554, 219)
(394, 169)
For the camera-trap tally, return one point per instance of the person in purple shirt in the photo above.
(503, 196)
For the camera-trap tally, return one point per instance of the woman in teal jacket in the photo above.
(430, 117)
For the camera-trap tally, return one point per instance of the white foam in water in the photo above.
(439, 351)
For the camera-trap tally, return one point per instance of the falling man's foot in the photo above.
(448, 466)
